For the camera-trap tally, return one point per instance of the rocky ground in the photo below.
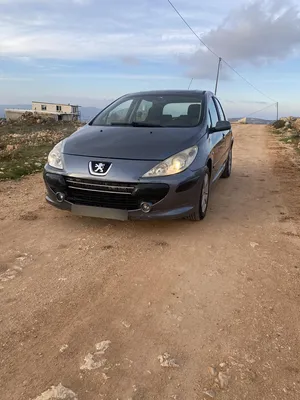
(288, 131)
(93, 309)
(25, 144)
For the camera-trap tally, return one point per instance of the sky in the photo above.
(90, 52)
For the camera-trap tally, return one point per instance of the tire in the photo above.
(200, 213)
(228, 166)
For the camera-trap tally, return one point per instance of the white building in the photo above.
(57, 111)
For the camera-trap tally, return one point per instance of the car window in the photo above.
(119, 114)
(158, 109)
(213, 114)
(143, 110)
(178, 109)
(220, 109)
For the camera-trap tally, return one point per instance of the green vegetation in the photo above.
(279, 124)
(288, 131)
(24, 147)
(290, 139)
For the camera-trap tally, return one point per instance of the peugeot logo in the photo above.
(99, 167)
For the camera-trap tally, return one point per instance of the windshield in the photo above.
(153, 110)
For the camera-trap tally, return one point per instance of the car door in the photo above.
(227, 135)
(216, 139)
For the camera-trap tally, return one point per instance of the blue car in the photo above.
(148, 155)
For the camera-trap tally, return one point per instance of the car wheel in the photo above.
(200, 213)
(228, 166)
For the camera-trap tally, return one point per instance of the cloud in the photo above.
(258, 33)
(84, 75)
(203, 65)
(15, 78)
(93, 31)
(140, 31)
(130, 60)
(82, 2)
(245, 102)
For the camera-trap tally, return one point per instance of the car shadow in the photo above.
(233, 201)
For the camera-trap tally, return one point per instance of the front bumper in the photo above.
(170, 197)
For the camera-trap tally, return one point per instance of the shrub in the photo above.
(279, 124)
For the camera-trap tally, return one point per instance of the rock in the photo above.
(38, 164)
(10, 147)
(57, 393)
(223, 380)
(63, 348)
(167, 362)
(212, 371)
(254, 244)
(102, 346)
(91, 364)
(222, 365)
(296, 124)
(95, 360)
(211, 394)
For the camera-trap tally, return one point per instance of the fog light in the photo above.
(146, 207)
(60, 197)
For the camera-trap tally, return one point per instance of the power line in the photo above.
(191, 29)
(214, 53)
(190, 83)
(246, 80)
(255, 112)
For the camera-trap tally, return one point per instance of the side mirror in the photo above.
(221, 126)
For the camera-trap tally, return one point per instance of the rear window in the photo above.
(166, 110)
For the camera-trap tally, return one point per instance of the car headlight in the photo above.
(55, 156)
(175, 164)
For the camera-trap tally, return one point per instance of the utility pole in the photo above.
(277, 111)
(218, 74)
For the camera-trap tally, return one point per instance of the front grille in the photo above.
(119, 195)
(100, 186)
(90, 192)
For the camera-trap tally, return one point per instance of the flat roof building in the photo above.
(57, 111)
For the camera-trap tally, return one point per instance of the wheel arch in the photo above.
(209, 165)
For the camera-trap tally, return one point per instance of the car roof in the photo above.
(168, 92)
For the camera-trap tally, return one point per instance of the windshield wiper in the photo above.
(146, 124)
(136, 124)
(120, 124)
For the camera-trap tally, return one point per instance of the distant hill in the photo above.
(21, 106)
(87, 113)
(255, 121)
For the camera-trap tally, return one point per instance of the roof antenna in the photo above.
(190, 83)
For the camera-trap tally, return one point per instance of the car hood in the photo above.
(133, 143)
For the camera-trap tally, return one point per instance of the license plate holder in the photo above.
(99, 212)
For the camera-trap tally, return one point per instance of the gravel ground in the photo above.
(94, 309)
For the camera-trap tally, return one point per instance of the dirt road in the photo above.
(95, 305)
